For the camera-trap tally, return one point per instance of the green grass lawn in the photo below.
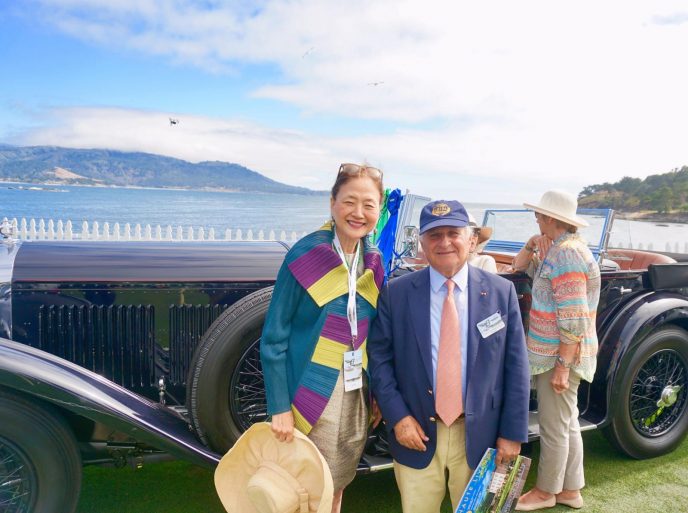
(615, 484)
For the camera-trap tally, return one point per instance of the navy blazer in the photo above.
(497, 376)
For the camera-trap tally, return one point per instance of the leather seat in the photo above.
(635, 260)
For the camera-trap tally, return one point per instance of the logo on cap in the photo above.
(441, 209)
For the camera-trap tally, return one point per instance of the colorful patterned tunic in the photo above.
(566, 290)
(306, 332)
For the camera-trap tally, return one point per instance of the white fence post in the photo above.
(42, 229)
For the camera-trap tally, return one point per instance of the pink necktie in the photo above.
(449, 401)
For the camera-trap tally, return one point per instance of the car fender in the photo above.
(642, 315)
(54, 380)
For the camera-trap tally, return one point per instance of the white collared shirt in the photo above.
(438, 292)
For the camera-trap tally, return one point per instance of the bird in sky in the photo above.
(308, 51)
(174, 121)
(375, 83)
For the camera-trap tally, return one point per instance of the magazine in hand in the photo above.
(492, 488)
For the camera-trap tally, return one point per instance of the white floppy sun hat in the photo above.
(260, 474)
(560, 205)
(484, 232)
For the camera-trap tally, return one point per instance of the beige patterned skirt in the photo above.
(341, 431)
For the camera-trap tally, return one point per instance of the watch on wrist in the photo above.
(563, 363)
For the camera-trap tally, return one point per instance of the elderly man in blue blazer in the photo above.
(448, 365)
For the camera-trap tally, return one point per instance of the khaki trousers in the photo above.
(423, 490)
(561, 445)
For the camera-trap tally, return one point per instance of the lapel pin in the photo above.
(483, 293)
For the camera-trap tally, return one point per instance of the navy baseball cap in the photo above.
(442, 213)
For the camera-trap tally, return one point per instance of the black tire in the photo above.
(639, 427)
(225, 391)
(40, 466)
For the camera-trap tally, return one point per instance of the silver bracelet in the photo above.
(563, 362)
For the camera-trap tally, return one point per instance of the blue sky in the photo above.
(492, 101)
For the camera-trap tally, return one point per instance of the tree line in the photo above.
(662, 193)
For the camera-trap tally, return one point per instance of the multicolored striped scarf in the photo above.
(319, 269)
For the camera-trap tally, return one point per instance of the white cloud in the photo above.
(537, 92)
(279, 154)
(437, 58)
(484, 163)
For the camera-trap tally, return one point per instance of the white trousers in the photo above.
(561, 445)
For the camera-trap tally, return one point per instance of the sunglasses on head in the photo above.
(356, 170)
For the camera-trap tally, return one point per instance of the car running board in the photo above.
(370, 464)
(534, 426)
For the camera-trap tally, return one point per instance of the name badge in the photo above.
(353, 370)
(491, 325)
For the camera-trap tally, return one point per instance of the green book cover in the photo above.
(494, 488)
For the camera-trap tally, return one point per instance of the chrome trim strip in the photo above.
(8, 252)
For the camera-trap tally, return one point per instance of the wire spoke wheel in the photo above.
(40, 464)
(225, 390)
(649, 407)
(658, 394)
(247, 402)
(17, 480)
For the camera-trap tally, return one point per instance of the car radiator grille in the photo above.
(116, 341)
(188, 324)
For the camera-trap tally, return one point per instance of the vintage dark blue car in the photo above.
(126, 352)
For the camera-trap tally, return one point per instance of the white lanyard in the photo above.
(351, 314)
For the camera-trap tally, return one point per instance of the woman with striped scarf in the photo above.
(313, 347)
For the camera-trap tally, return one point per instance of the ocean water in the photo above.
(255, 211)
(219, 210)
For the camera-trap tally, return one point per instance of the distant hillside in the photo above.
(662, 196)
(54, 165)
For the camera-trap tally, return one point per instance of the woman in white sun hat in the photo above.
(562, 344)
(479, 237)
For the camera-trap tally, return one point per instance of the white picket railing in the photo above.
(668, 248)
(59, 230)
